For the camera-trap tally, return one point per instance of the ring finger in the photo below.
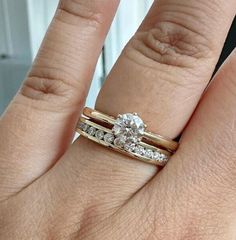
(161, 74)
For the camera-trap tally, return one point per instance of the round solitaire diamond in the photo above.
(129, 125)
(149, 153)
(139, 150)
(91, 131)
(99, 134)
(109, 138)
(128, 129)
(83, 126)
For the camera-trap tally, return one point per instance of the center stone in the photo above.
(128, 128)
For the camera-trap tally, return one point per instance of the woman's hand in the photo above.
(50, 189)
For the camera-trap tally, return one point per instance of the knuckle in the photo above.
(170, 43)
(73, 10)
(54, 91)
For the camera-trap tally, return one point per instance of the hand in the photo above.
(50, 189)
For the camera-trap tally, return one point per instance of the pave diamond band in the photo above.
(126, 134)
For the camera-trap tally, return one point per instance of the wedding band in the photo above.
(126, 134)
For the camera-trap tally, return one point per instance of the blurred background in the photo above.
(23, 24)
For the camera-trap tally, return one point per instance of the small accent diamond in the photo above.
(156, 155)
(163, 157)
(109, 138)
(83, 126)
(130, 147)
(120, 141)
(149, 153)
(139, 150)
(99, 134)
(91, 131)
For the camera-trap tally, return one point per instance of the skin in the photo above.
(50, 189)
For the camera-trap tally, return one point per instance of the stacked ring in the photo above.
(126, 134)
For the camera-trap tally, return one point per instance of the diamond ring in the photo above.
(126, 134)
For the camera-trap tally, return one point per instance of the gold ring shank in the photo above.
(166, 143)
(113, 147)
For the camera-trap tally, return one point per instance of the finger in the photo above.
(199, 182)
(39, 123)
(210, 136)
(161, 75)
